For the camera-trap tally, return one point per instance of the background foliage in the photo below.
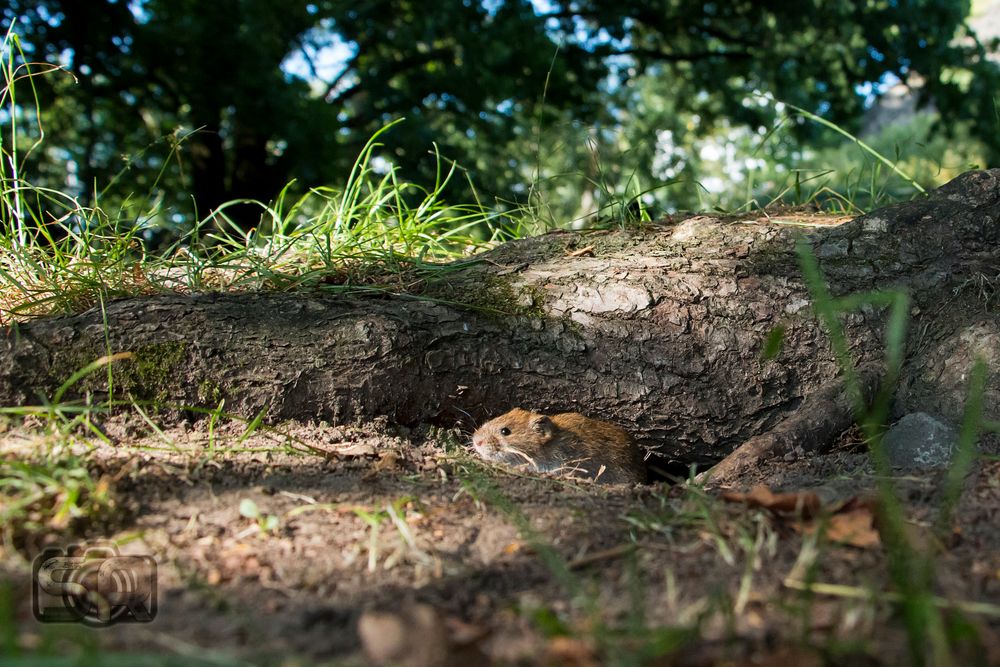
(561, 107)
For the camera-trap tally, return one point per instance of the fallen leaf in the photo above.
(138, 276)
(804, 503)
(512, 548)
(856, 528)
(852, 522)
(386, 462)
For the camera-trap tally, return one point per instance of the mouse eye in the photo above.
(505, 431)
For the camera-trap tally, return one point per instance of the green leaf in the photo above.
(248, 508)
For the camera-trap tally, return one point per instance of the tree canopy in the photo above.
(250, 94)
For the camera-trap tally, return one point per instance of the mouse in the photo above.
(568, 442)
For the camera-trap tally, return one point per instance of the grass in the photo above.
(45, 483)
(593, 623)
(911, 568)
(375, 234)
(46, 493)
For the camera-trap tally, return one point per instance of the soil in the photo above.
(474, 564)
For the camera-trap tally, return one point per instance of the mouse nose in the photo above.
(480, 443)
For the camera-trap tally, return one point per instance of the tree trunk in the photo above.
(208, 168)
(660, 330)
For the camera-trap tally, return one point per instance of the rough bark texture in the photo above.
(661, 330)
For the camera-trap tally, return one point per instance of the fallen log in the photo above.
(659, 328)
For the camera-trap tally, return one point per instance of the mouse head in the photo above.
(515, 437)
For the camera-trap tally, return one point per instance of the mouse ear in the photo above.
(542, 424)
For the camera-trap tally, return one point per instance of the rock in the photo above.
(920, 441)
(412, 636)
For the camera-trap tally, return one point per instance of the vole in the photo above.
(567, 442)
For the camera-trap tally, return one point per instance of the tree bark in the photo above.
(659, 329)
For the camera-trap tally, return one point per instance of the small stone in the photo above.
(920, 441)
(413, 635)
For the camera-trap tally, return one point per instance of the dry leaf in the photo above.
(512, 548)
(138, 275)
(386, 462)
(851, 523)
(856, 528)
(805, 503)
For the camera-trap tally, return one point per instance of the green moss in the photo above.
(494, 295)
(209, 392)
(147, 375)
(154, 364)
(67, 362)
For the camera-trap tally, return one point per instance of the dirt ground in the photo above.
(397, 546)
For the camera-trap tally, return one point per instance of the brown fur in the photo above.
(567, 442)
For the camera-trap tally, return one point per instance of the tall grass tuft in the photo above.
(61, 255)
(911, 569)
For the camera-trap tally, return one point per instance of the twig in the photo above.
(607, 554)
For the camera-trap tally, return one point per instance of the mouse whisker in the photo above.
(518, 452)
(464, 413)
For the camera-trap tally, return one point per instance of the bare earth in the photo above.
(397, 546)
